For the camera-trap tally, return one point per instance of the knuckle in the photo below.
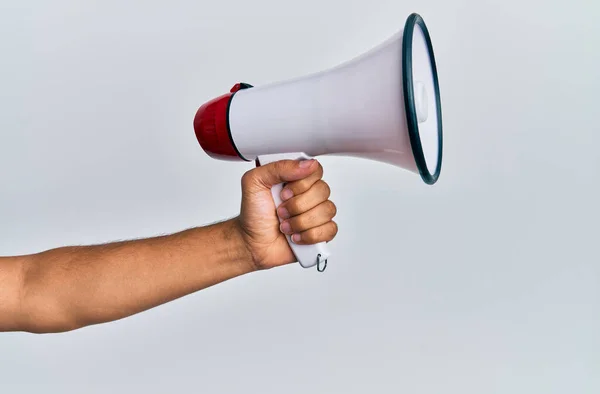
(331, 209)
(301, 206)
(325, 187)
(289, 205)
(310, 219)
(301, 186)
(309, 237)
(247, 178)
(278, 167)
(320, 171)
(318, 233)
(293, 207)
(307, 183)
(334, 229)
(297, 224)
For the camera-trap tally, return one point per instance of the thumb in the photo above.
(271, 174)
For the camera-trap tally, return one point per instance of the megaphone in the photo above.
(383, 105)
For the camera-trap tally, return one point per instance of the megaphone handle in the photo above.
(307, 255)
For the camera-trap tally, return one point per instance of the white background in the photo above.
(488, 282)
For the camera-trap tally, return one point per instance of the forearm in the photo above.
(72, 287)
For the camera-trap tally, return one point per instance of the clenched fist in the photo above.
(306, 211)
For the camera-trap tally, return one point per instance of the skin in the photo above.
(69, 288)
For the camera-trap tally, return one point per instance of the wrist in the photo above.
(239, 250)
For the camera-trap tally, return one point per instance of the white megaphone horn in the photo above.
(384, 105)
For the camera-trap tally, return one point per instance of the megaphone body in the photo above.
(384, 105)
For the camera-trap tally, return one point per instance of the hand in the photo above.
(307, 211)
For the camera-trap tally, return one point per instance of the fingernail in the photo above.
(306, 163)
(283, 213)
(286, 228)
(286, 194)
(296, 238)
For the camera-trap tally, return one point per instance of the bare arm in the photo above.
(11, 287)
(71, 287)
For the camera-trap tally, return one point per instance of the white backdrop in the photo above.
(487, 282)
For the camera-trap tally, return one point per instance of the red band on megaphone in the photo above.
(211, 125)
(212, 129)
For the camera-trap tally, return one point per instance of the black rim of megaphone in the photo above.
(409, 99)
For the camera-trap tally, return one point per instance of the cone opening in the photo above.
(422, 98)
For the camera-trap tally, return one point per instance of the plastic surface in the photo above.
(211, 125)
(383, 105)
(307, 255)
(355, 109)
(421, 102)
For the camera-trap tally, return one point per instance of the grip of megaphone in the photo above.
(307, 255)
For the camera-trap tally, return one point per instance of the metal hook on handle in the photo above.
(319, 261)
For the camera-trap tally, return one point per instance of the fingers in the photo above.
(307, 215)
(317, 216)
(268, 175)
(323, 233)
(296, 188)
(306, 211)
(318, 193)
